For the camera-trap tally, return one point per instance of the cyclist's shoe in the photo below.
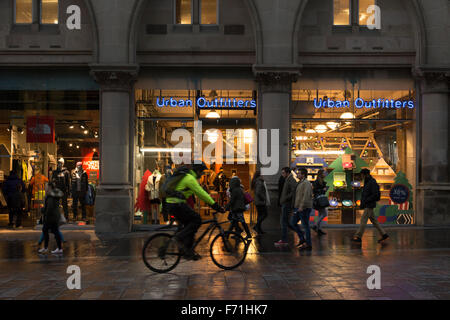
(192, 255)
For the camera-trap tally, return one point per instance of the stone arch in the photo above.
(138, 13)
(414, 9)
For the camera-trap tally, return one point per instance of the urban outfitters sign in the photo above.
(203, 103)
(361, 103)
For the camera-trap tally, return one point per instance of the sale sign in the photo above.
(40, 129)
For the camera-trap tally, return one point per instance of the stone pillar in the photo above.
(114, 201)
(433, 191)
(274, 112)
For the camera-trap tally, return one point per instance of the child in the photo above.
(237, 206)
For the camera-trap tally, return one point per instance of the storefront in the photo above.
(343, 122)
(217, 126)
(40, 127)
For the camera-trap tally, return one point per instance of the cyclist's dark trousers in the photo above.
(189, 218)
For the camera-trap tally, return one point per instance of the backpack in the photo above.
(168, 187)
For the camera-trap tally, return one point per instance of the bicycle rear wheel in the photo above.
(228, 250)
(161, 253)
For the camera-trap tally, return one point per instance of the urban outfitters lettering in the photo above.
(361, 103)
(203, 103)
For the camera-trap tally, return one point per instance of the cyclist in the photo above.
(177, 206)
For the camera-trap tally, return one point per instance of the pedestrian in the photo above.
(370, 196)
(320, 189)
(9, 190)
(51, 217)
(284, 174)
(303, 206)
(287, 204)
(262, 200)
(237, 206)
(17, 204)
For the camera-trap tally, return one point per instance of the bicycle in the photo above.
(228, 250)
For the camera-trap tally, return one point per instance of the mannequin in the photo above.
(79, 190)
(220, 184)
(61, 177)
(152, 187)
(37, 184)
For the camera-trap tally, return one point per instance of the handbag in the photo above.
(248, 198)
(321, 201)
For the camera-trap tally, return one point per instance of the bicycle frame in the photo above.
(213, 225)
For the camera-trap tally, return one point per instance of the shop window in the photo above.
(341, 11)
(183, 12)
(49, 11)
(208, 11)
(24, 11)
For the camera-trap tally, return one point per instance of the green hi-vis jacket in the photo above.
(189, 186)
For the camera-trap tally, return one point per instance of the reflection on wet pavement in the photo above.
(414, 263)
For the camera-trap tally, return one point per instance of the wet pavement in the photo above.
(414, 263)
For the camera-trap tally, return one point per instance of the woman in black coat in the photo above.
(262, 200)
(51, 217)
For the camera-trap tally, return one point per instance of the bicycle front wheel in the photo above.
(161, 253)
(228, 250)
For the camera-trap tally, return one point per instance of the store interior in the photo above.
(154, 131)
(38, 128)
(345, 140)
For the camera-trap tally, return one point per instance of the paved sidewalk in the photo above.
(415, 264)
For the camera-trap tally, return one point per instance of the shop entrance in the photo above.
(40, 128)
(205, 116)
(344, 131)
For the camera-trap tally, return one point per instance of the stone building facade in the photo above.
(271, 44)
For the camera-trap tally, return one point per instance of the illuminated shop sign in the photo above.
(361, 103)
(203, 103)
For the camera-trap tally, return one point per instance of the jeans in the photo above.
(262, 214)
(42, 237)
(55, 230)
(284, 221)
(323, 212)
(187, 217)
(79, 196)
(304, 217)
(368, 214)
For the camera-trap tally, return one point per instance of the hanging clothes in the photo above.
(152, 186)
(143, 201)
(38, 186)
(24, 171)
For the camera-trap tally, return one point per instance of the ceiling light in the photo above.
(332, 125)
(347, 115)
(86, 132)
(321, 128)
(213, 115)
(70, 144)
(78, 147)
(82, 127)
(71, 127)
(310, 131)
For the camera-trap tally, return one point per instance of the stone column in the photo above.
(433, 194)
(114, 200)
(274, 112)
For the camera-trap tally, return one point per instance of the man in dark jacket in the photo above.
(236, 206)
(79, 190)
(287, 204)
(284, 174)
(370, 196)
(61, 178)
(9, 189)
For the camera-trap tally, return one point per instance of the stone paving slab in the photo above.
(415, 264)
